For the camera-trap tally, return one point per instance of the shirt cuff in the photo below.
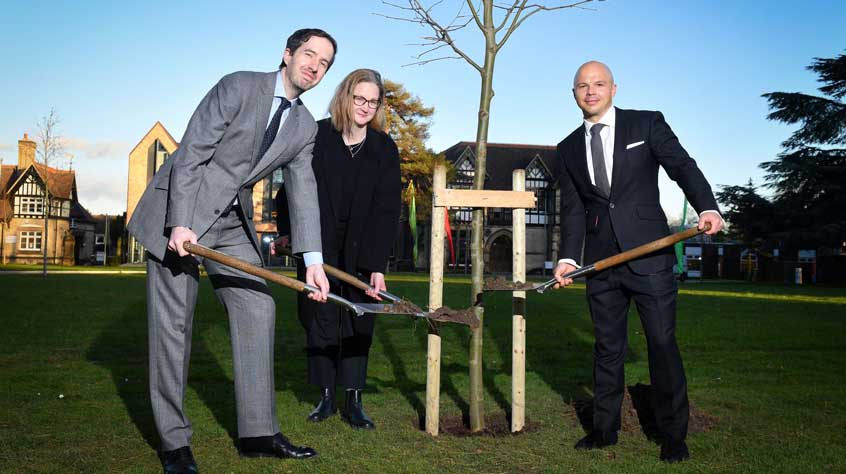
(569, 261)
(312, 258)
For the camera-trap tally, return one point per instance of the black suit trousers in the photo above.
(609, 295)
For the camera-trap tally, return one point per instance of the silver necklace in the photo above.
(356, 147)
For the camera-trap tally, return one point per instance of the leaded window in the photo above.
(30, 240)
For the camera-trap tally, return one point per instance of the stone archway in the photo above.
(499, 254)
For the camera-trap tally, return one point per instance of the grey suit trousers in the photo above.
(171, 296)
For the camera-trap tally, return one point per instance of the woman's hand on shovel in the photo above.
(377, 284)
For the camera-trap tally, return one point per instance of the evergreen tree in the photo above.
(809, 176)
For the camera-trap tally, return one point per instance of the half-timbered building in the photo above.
(31, 191)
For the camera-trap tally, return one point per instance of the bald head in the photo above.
(594, 89)
(594, 68)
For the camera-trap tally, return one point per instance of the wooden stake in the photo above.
(518, 331)
(436, 287)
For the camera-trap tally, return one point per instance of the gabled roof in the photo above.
(162, 132)
(503, 158)
(60, 183)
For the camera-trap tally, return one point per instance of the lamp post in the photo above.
(269, 241)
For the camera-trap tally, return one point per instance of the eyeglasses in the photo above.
(373, 104)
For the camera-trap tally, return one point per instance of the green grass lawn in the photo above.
(768, 361)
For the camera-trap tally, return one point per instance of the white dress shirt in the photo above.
(607, 135)
(309, 258)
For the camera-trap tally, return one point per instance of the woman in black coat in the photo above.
(356, 166)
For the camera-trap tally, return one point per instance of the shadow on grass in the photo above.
(122, 349)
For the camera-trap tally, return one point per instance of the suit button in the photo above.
(217, 211)
(611, 205)
(355, 244)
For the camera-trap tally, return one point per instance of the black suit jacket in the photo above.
(632, 215)
(374, 216)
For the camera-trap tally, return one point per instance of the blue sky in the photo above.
(112, 69)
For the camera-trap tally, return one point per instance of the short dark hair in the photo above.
(301, 36)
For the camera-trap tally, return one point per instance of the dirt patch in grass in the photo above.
(495, 426)
(638, 414)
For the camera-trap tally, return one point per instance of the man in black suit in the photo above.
(610, 203)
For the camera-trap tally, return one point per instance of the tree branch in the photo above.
(475, 15)
(533, 8)
(423, 16)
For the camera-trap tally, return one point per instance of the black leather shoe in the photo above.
(355, 415)
(326, 407)
(597, 439)
(276, 446)
(674, 451)
(179, 461)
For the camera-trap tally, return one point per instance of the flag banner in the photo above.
(412, 222)
(448, 231)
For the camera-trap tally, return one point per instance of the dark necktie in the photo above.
(273, 127)
(600, 176)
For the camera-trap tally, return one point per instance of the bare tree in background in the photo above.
(50, 149)
(509, 16)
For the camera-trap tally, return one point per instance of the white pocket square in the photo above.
(632, 145)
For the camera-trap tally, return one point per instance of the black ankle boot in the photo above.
(326, 407)
(355, 415)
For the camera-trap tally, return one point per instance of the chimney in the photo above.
(26, 152)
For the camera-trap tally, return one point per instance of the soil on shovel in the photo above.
(448, 315)
(638, 414)
(405, 306)
(500, 283)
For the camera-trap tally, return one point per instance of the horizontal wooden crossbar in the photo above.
(485, 198)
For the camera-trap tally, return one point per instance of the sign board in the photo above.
(11, 239)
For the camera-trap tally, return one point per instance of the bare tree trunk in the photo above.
(514, 13)
(46, 209)
(477, 247)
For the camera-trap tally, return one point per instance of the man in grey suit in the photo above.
(248, 125)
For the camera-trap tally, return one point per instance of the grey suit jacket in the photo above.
(218, 159)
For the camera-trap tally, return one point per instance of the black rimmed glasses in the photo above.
(373, 104)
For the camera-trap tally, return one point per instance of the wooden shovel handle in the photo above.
(233, 262)
(335, 272)
(648, 248)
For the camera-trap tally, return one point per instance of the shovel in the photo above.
(358, 308)
(501, 285)
(398, 305)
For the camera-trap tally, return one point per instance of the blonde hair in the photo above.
(341, 105)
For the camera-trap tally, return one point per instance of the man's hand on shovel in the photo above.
(562, 268)
(178, 236)
(315, 276)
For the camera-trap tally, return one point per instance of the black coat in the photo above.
(632, 215)
(374, 216)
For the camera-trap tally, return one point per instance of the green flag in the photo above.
(679, 246)
(412, 221)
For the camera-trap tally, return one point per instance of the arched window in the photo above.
(538, 181)
(465, 173)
